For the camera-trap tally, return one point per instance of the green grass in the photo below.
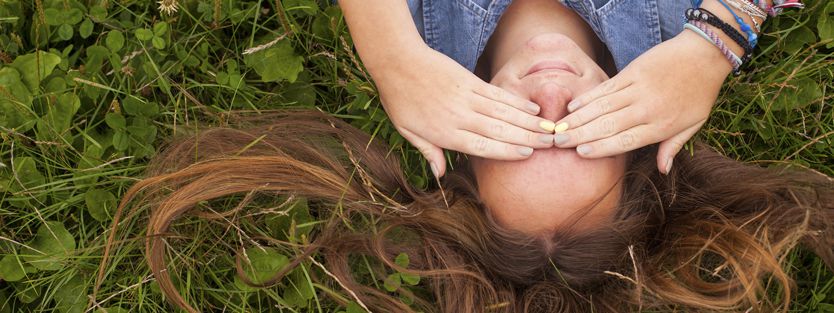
(78, 130)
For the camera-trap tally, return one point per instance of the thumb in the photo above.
(670, 147)
(433, 154)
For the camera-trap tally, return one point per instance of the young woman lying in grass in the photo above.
(553, 233)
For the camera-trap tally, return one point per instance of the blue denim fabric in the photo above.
(461, 28)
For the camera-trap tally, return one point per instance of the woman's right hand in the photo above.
(436, 103)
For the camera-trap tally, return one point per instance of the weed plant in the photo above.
(89, 89)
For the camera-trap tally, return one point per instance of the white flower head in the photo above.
(167, 6)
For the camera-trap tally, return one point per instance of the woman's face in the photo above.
(554, 187)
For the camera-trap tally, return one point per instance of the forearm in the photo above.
(382, 30)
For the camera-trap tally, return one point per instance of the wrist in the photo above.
(703, 54)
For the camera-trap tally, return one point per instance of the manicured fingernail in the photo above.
(547, 126)
(562, 127)
(533, 108)
(573, 105)
(525, 151)
(434, 169)
(561, 138)
(584, 149)
(546, 138)
(669, 166)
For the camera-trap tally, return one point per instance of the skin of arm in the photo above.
(664, 96)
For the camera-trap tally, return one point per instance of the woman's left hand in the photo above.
(665, 96)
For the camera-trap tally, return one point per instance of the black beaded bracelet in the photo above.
(704, 15)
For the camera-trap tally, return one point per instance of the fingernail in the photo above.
(547, 126)
(561, 138)
(562, 127)
(525, 151)
(668, 165)
(584, 149)
(573, 105)
(434, 169)
(546, 138)
(533, 108)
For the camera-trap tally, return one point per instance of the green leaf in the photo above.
(53, 16)
(354, 307)
(52, 245)
(58, 118)
(825, 24)
(100, 204)
(799, 94)
(277, 63)
(116, 121)
(121, 140)
(261, 264)
(35, 68)
(158, 42)
(392, 282)
(135, 107)
(86, 28)
(114, 309)
(222, 78)
(95, 57)
(402, 260)
(115, 40)
(98, 13)
(160, 28)
(301, 7)
(11, 269)
(143, 34)
(73, 16)
(71, 297)
(300, 291)
(15, 101)
(65, 32)
(411, 279)
(26, 292)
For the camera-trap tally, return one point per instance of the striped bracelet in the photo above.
(702, 30)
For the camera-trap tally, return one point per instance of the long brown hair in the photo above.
(710, 236)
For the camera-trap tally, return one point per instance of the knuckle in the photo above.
(480, 145)
(500, 110)
(607, 126)
(608, 86)
(627, 140)
(497, 131)
(604, 106)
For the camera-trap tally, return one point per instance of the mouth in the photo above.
(551, 66)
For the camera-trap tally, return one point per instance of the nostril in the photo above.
(553, 100)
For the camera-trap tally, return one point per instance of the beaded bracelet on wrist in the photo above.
(704, 15)
(704, 31)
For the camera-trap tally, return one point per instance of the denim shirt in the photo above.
(460, 29)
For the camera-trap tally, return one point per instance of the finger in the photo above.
(670, 147)
(606, 88)
(477, 145)
(514, 116)
(594, 110)
(433, 154)
(603, 127)
(501, 95)
(620, 143)
(502, 131)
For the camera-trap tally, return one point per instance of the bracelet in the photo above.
(752, 37)
(704, 15)
(751, 10)
(702, 30)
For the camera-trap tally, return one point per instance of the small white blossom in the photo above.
(167, 6)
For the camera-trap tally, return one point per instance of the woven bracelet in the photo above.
(704, 15)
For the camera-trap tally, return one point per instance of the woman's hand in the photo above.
(665, 96)
(436, 103)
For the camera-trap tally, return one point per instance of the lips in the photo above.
(551, 65)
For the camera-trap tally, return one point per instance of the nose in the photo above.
(553, 100)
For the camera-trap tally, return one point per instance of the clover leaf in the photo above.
(52, 245)
(277, 63)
